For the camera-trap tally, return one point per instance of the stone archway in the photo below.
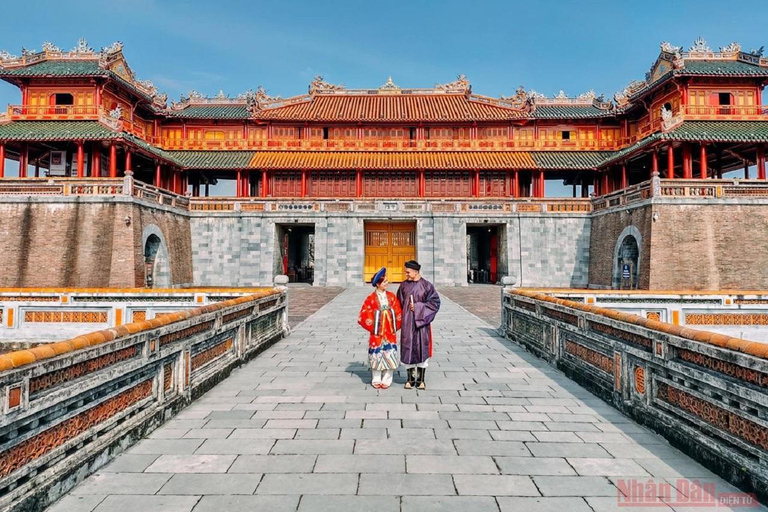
(156, 259)
(626, 259)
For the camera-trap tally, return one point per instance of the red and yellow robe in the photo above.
(382, 321)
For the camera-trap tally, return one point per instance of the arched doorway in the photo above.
(157, 270)
(626, 260)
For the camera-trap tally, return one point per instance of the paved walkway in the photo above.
(299, 428)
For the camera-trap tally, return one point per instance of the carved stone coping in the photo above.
(752, 348)
(19, 358)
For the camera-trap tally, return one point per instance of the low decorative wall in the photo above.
(70, 407)
(42, 314)
(704, 392)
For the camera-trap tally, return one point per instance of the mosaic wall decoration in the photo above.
(236, 315)
(185, 333)
(77, 370)
(139, 316)
(731, 369)
(559, 315)
(640, 380)
(723, 419)
(95, 317)
(41, 444)
(726, 318)
(629, 337)
(206, 356)
(591, 357)
(653, 315)
(167, 377)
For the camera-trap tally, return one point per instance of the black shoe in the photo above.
(411, 382)
(421, 382)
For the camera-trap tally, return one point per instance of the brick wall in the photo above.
(710, 247)
(76, 242)
(606, 227)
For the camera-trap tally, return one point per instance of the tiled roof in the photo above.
(57, 68)
(213, 111)
(56, 130)
(212, 159)
(720, 131)
(389, 108)
(698, 131)
(349, 160)
(570, 112)
(721, 68)
(570, 159)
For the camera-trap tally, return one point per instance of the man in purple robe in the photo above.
(420, 303)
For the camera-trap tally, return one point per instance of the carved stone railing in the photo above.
(704, 392)
(415, 205)
(158, 195)
(52, 112)
(69, 407)
(61, 186)
(683, 188)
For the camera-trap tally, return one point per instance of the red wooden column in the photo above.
(239, 185)
(515, 183)
(475, 183)
(422, 183)
(158, 175)
(23, 160)
(128, 160)
(246, 183)
(96, 160)
(264, 183)
(113, 160)
(596, 185)
(303, 183)
(80, 158)
(605, 187)
(358, 183)
(2, 159)
(654, 162)
(624, 180)
(670, 162)
(687, 162)
(703, 163)
(542, 184)
(760, 162)
(746, 169)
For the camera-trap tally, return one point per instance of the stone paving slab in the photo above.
(300, 429)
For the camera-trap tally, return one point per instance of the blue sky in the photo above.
(237, 45)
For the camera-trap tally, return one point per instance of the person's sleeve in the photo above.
(426, 311)
(365, 319)
(398, 312)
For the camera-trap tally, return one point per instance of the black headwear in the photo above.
(412, 264)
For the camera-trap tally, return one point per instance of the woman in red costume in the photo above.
(381, 316)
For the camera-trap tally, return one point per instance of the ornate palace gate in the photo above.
(389, 244)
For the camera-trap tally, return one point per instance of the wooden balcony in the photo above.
(52, 112)
(388, 145)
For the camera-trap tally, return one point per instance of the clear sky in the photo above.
(236, 45)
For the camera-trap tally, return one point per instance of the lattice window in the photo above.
(390, 184)
(286, 184)
(493, 184)
(448, 184)
(331, 184)
(403, 238)
(493, 132)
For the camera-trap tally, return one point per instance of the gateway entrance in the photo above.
(389, 244)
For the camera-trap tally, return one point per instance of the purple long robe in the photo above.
(416, 331)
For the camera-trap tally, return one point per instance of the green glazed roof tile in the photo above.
(57, 68)
(56, 130)
(569, 159)
(236, 111)
(212, 159)
(570, 112)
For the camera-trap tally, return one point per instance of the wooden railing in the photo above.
(465, 205)
(53, 112)
(387, 145)
(70, 407)
(704, 392)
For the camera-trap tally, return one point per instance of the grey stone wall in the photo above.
(242, 249)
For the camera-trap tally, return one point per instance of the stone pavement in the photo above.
(483, 300)
(300, 428)
(305, 299)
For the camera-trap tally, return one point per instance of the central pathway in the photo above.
(300, 428)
